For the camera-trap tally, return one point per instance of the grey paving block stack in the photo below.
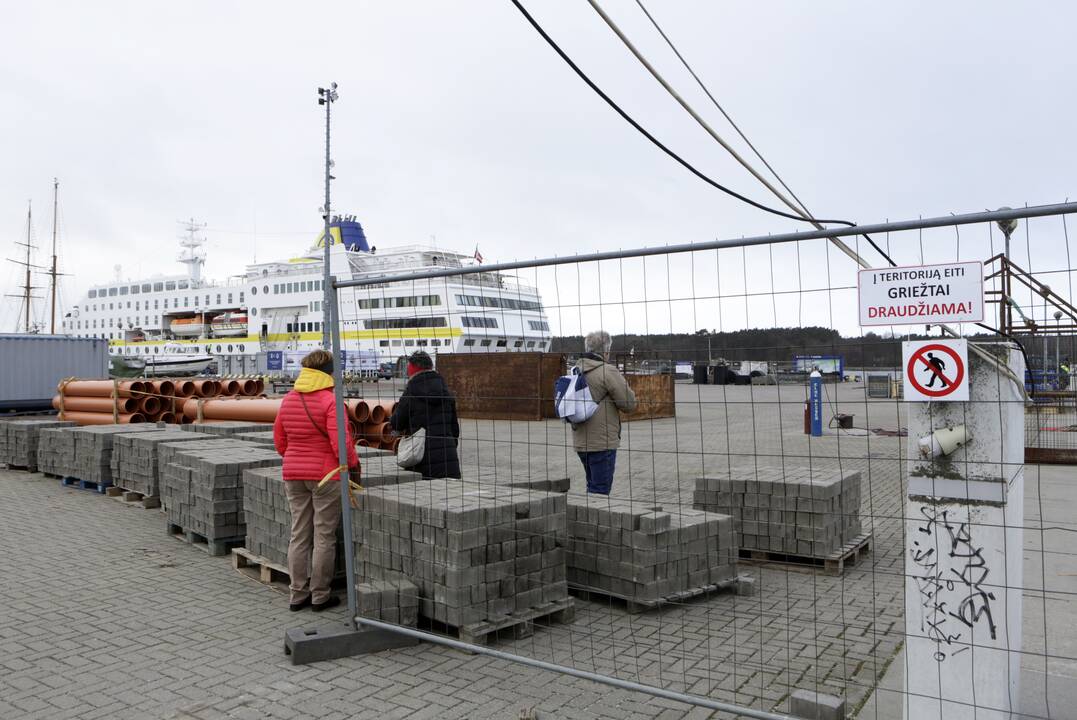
(266, 514)
(796, 511)
(134, 458)
(202, 487)
(381, 469)
(56, 450)
(475, 553)
(19, 438)
(394, 601)
(93, 450)
(228, 427)
(643, 553)
(262, 437)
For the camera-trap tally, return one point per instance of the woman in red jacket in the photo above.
(305, 434)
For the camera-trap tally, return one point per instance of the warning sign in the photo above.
(922, 294)
(936, 370)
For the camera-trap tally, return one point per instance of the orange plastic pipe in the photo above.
(184, 420)
(247, 387)
(102, 388)
(206, 388)
(359, 410)
(96, 404)
(184, 388)
(387, 436)
(99, 418)
(163, 387)
(249, 409)
(149, 405)
(380, 411)
(230, 387)
(259, 386)
(167, 417)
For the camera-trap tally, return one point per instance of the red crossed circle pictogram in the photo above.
(919, 358)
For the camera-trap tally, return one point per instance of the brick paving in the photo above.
(104, 616)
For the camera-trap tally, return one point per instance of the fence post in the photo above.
(963, 555)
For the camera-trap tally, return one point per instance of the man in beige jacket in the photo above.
(596, 440)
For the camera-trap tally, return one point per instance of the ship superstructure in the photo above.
(278, 305)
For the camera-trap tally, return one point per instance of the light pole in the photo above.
(327, 97)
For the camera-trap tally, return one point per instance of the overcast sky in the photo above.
(456, 120)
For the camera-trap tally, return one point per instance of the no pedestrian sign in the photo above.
(936, 370)
(922, 294)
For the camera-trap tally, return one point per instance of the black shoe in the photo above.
(332, 602)
(296, 607)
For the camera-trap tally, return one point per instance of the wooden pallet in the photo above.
(833, 564)
(635, 605)
(75, 482)
(131, 497)
(260, 568)
(515, 625)
(216, 548)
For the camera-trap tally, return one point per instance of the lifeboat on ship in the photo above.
(188, 327)
(229, 324)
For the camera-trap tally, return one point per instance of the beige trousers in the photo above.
(312, 549)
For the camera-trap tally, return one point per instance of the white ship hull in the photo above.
(230, 330)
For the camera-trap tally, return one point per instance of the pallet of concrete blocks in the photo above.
(56, 451)
(262, 437)
(18, 440)
(811, 513)
(135, 466)
(484, 559)
(648, 555)
(228, 427)
(202, 490)
(394, 600)
(93, 452)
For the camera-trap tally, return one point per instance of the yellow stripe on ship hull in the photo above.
(402, 334)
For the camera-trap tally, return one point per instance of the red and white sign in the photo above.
(922, 294)
(936, 370)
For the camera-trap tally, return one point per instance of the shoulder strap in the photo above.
(319, 428)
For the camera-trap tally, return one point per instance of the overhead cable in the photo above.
(661, 146)
(797, 207)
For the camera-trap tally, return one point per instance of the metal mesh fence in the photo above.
(737, 558)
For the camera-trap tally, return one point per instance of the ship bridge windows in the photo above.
(158, 287)
(478, 321)
(112, 292)
(135, 289)
(404, 323)
(93, 294)
(498, 302)
(123, 290)
(170, 285)
(539, 325)
(182, 285)
(146, 287)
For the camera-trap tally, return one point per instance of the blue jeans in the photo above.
(598, 467)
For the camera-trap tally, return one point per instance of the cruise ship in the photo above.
(184, 321)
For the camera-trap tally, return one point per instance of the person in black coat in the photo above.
(427, 403)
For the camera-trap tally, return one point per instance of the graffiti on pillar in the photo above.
(956, 601)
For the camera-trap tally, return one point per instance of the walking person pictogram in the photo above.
(936, 367)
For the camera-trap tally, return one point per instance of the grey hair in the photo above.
(598, 342)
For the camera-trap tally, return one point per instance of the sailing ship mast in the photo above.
(27, 288)
(52, 272)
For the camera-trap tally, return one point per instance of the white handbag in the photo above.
(412, 449)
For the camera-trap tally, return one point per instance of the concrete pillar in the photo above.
(963, 562)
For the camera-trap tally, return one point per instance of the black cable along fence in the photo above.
(739, 560)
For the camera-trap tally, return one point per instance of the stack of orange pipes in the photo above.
(202, 400)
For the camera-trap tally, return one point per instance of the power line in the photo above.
(797, 207)
(655, 141)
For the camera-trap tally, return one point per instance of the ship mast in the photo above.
(27, 288)
(52, 272)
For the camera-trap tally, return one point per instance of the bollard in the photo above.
(815, 400)
(963, 554)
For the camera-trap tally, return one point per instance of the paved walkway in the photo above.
(104, 616)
